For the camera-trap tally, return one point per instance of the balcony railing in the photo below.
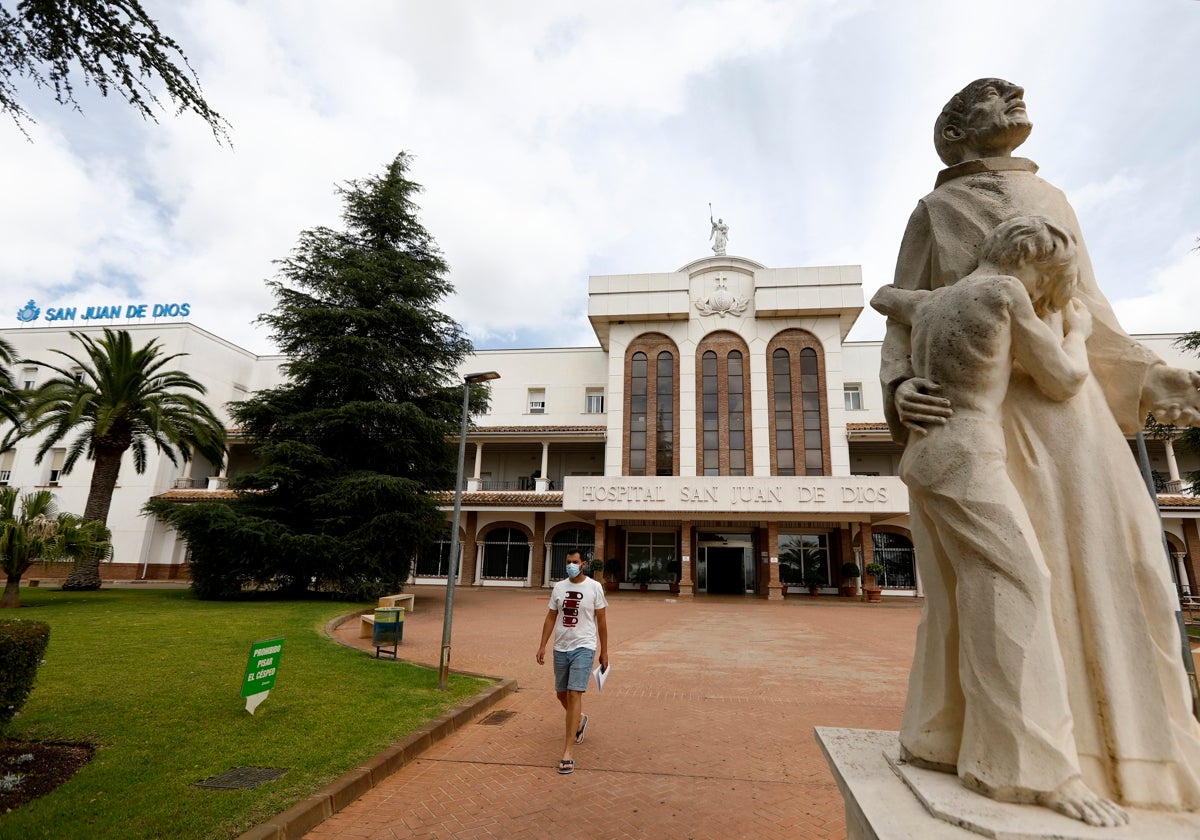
(524, 483)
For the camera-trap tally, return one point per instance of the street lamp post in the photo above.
(452, 566)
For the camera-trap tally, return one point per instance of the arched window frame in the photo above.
(652, 346)
(794, 342)
(526, 543)
(723, 345)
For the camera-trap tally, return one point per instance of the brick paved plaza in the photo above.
(704, 731)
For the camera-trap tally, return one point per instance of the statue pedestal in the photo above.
(887, 799)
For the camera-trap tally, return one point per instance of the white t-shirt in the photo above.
(576, 605)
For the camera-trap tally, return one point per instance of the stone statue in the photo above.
(1047, 666)
(719, 234)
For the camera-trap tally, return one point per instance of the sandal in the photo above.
(565, 766)
(582, 729)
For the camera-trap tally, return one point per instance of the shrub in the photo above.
(875, 569)
(22, 646)
(849, 570)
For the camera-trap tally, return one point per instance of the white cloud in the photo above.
(561, 140)
(1171, 302)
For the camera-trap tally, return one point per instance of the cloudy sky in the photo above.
(556, 140)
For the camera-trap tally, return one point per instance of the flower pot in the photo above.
(814, 591)
(874, 596)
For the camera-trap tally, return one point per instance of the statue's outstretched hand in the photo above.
(918, 404)
(1173, 395)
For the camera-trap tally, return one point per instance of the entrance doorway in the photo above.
(725, 564)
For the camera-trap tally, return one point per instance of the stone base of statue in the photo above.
(887, 799)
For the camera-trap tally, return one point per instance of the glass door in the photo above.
(725, 564)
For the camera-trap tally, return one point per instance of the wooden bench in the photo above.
(407, 600)
(1190, 606)
(367, 620)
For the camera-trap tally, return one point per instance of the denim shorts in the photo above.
(573, 668)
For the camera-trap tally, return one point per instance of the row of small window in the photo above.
(27, 377)
(54, 473)
(593, 401)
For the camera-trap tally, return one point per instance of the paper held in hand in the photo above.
(601, 674)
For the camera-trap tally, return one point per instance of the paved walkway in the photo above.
(704, 730)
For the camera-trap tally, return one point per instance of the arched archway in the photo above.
(1179, 564)
(893, 547)
(505, 554)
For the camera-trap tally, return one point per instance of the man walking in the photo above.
(578, 621)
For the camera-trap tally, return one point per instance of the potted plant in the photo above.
(849, 587)
(642, 576)
(595, 568)
(612, 574)
(874, 571)
(814, 579)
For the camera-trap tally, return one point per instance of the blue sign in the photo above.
(29, 313)
(112, 312)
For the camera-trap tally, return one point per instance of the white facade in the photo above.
(689, 482)
(141, 546)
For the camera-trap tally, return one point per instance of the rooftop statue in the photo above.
(719, 234)
(1047, 667)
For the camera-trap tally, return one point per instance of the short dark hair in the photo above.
(576, 551)
(952, 117)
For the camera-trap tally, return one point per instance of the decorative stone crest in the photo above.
(721, 302)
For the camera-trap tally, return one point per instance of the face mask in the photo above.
(573, 570)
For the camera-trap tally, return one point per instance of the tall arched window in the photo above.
(505, 554)
(723, 402)
(664, 415)
(652, 419)
(799, 418)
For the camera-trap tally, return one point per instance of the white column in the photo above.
(543, 479)
(1180, 571)
(220, 481)
(474, 482)
(1172, 464)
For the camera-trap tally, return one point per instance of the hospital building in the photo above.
(721, 437)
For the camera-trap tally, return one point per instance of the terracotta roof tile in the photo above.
(503, 498)
(1175, 501)
(486, 430)
(196, 495)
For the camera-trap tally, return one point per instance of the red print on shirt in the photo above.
(570, 608)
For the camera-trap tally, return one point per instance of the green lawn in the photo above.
(153, 679)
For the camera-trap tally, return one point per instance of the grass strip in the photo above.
(153, 679)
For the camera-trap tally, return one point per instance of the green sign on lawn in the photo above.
(261, 669)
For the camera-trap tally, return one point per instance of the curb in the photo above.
(311, 811)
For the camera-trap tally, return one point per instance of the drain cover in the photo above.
(240, 778)
(496, 718)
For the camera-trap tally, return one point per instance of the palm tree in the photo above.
(10, 397)
(37, 532)
(119, 399)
